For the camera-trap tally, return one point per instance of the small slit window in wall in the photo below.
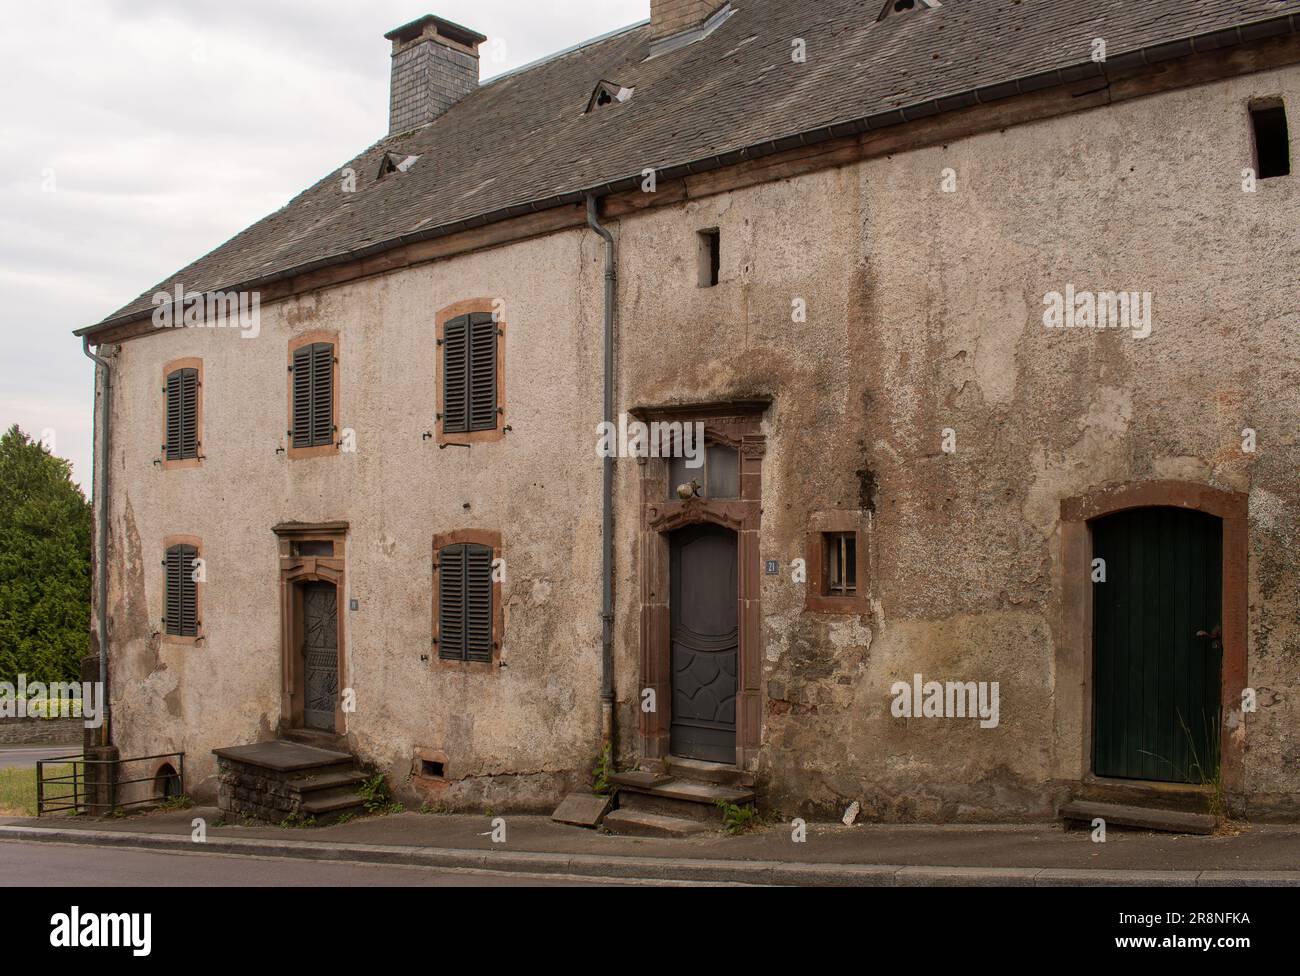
(183, 414)
(710, 257)
(467, 598)
(718, 477)
(313, 387)
(181, 601)
(1272, 138)
(471, 370)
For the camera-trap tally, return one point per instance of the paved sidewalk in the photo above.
(868, 854)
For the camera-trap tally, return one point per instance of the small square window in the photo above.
(710, 257)
(314, 547)
(840, 575)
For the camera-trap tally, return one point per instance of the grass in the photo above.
(18, 790)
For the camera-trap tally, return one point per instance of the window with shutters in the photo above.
(467, 609)
(182, 395)
(183, 573)
(313, 394)
(470, 373)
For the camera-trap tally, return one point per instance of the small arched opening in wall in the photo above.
(167, 783)
(1141, 564)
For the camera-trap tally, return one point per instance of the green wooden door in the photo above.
(1156, 645)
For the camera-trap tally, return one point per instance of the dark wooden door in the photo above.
(705, 641)
(320, 650)
(1157, 648)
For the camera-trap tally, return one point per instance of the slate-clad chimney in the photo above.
(435, 65)
(669, 17)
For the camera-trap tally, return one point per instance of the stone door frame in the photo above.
(738, 425)
(294, 571)
(1075, 649)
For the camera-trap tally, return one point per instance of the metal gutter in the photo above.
(100, 484)
(1057, 77)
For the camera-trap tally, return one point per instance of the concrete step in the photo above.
(663, 806)
(634, 823)
(1146, 818)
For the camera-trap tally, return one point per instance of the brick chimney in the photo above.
(672, 17)
(435, 65)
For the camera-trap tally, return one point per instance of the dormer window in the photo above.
(903, 6)
(395, 163)
(608, 93)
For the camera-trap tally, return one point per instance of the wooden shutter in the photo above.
(182, 414)
(322, 393)
(181, 611)
(478, 604)
(302, 396)
(455, 376)
(451, 603)
(465, 603)
(313, 395)
(482, 372)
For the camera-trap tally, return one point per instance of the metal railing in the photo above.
(59, 790)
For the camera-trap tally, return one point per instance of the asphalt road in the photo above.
(26, 756)
(82, 866)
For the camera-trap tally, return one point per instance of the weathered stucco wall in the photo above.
(535, 719)
(924, 313)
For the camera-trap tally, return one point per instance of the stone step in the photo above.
(330, 778)
(637, 802)
(683, 798)
(332, 803)
(697, 769)
(694, 791)
(635, 823)
(1146, 818)
(1184, 797)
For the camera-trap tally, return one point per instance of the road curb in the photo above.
(708, 871)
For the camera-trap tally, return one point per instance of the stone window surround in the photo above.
(1074, 649)
(189, 362)
(459, 537)
(819, 524)
(454, 311)
(197, 543)
(306, 339)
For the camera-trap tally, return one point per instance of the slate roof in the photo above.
(522, 142)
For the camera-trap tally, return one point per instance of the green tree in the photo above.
(44, 564)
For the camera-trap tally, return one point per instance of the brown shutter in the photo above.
(174, 420)
(478, 604)
(181, 609)
(483, 371)
(189, 413)
(302, 373)
(322, 393)
(451, 603)
(455, 375)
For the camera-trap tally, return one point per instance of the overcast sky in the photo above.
(136, 135)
